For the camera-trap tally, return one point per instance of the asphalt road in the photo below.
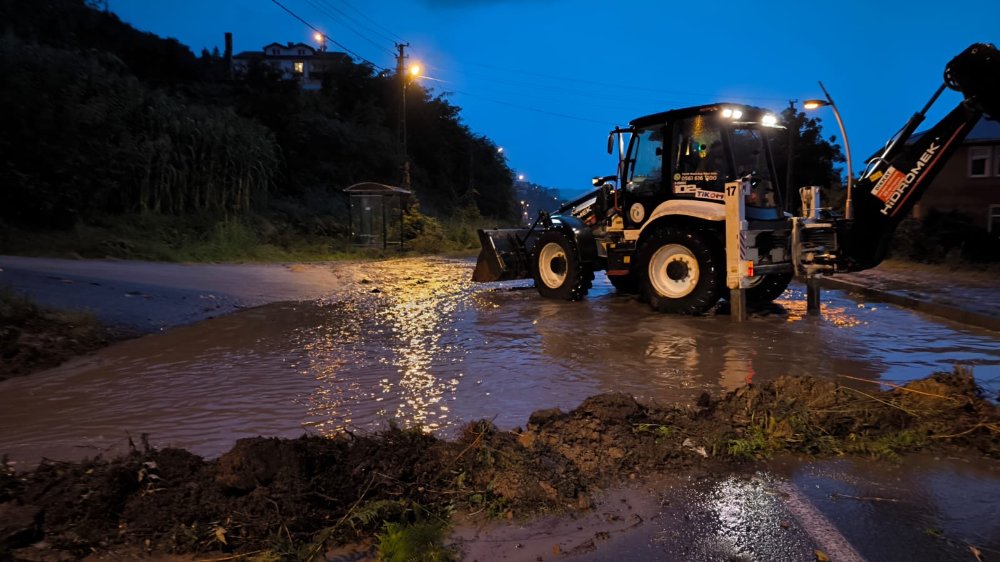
(154, 296)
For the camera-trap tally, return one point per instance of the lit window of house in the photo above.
(979, 161)
(993, 222)
(300, 67)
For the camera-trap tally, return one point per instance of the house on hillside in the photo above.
(970, 182)
(297, 61)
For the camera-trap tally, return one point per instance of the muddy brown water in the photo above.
(431, 348)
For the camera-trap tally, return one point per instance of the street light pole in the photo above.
(401, 130)
(793, 135)
(848, 207)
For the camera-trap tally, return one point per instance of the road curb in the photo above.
(936, 309)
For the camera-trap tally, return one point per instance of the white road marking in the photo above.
(817, 526)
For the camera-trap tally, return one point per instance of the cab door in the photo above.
(644, 186)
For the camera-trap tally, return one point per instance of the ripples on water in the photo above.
(431, 348)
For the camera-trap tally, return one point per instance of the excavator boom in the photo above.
(897, 178)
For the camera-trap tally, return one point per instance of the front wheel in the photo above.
(557, 269)
(682, 270)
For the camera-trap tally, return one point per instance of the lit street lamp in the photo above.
(321, 39)
(500, 149)
(815, 104)
(520, 177)
(412, 74)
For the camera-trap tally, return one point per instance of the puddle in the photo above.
(432, 348)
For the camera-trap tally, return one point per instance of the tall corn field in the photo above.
(194, 158)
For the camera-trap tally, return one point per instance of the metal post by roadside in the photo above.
(813, 294)
(738, 268)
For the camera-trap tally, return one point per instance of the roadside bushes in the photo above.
(941, 237)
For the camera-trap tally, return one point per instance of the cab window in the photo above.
(750, 153)
(700, 161)
(647, 162)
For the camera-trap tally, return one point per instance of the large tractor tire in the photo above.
(557, 269)
(768, 288)
(682, 270)
(628, 284)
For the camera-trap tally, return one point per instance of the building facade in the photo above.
(970, 182)
(296, 61)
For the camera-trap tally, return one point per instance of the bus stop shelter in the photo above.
(376, 214)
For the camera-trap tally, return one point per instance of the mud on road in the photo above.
(290, 497)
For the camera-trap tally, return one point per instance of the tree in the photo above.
(110, 119)
(816, 158)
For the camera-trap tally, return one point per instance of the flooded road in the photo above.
(416, 343)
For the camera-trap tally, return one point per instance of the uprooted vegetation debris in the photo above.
(277, 499)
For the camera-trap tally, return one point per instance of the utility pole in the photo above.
(401, 129)
(793, 135)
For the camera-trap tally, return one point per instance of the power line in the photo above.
(346, 3)
(563, 115)
(325, 36)
(351, 29)
(344, 14)
(557, 89)
(521, 94)
(611, 85)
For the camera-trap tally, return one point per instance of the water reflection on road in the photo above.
(420, 344)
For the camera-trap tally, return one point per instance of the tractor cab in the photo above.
(689, 155)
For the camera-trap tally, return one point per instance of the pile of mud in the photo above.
(288, 498)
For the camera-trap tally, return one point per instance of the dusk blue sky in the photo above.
(881, 61)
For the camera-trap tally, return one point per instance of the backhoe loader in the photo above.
(663, 226)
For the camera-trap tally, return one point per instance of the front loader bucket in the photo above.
(503, 257)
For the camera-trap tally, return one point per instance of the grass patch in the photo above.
(33, 337)
(416, 542)
(886, 447)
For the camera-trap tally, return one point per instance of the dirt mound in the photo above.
(289, 497)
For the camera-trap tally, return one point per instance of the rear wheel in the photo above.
(768, 288)
(557, 270)
(682, 271)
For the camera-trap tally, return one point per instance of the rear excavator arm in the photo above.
(896, 178)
